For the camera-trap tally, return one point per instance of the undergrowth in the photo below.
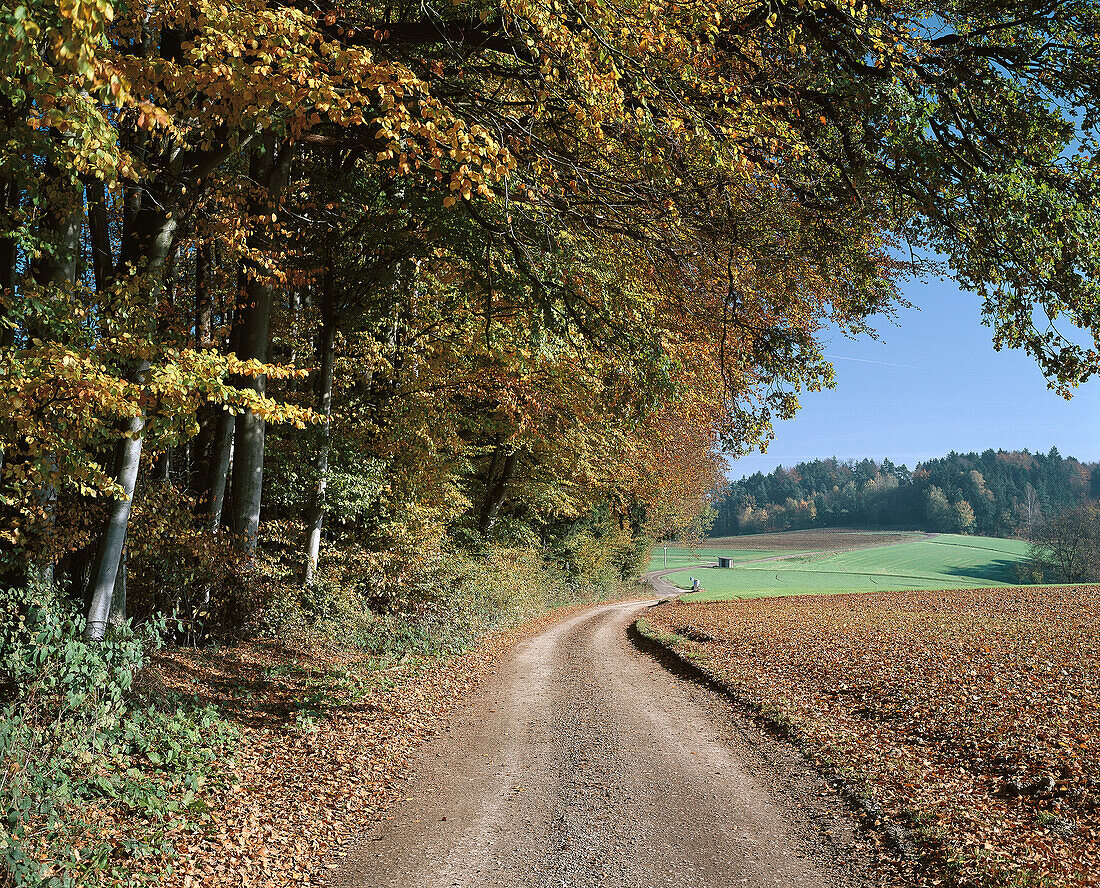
(94, 749)
(441, 605)
(82, 744)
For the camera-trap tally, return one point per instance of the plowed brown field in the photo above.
(824, 539)
(970, 717)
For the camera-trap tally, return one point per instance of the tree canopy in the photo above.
(413, 277)
(995, 493)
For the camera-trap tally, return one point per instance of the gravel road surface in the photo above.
(584, 762)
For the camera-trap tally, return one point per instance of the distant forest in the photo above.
(996, 493)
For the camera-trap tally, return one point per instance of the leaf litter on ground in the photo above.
(325, 739)
(970, 717)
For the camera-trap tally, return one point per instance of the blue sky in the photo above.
(932, 384)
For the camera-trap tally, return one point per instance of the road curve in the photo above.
(662, 588)
(583, 762)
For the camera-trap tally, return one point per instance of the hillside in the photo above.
(995, 493)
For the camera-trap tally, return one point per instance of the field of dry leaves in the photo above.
(971, 718)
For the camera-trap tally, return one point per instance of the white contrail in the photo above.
(866, 361)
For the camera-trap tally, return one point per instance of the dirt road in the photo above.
(662, 587)
(583, 762)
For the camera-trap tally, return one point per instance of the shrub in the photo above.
(601, 549)
(79, 747)
(399, 606)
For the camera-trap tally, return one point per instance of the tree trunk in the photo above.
(150, 214)
(74, 570)
(494, 493)
(111, 543)
(56, 267)
(221, 455)
(131, 209)
(207, 444)
(162, 466)
(295, 318)
(204, 304)
(316, 512)
(9, 200)
(271, 169)
(117, 616)
(200, 450)
(248, 476)
(219, 468)
(103, 262)
(494, 465)
(147, 242)
(253, 320)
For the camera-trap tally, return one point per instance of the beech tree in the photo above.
(543, 236)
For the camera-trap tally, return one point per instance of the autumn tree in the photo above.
(531, 234)
(1067, 545)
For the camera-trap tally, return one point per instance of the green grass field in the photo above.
(679, 557)
(944, 562)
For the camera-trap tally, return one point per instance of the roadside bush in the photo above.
(602, 550)
(79, 746)
(475, 595)
(1031, 572)
(438, 603)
